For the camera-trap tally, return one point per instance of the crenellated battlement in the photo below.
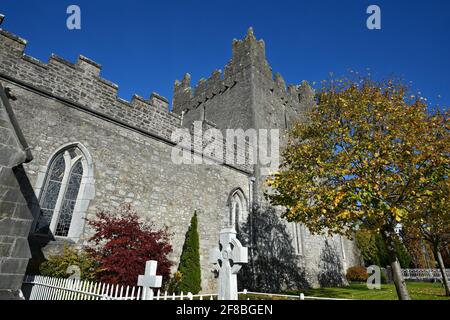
(82, 84)
(211, 99)
(248, 53)
(186, 98)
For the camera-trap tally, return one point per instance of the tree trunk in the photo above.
(399, 281)
(442, 268)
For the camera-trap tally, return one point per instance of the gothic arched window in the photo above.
(62, 192)
(238, 209)
(297, 232)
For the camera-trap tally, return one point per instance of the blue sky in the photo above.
(144, 46)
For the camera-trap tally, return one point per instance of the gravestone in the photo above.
(228, 260)
(149, 280)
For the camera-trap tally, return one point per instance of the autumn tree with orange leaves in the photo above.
(365, 160)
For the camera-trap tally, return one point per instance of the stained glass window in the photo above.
(50, 194)
(60, 192)
(70, 197)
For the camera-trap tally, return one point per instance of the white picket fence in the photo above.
(47, 288)
(424, 274)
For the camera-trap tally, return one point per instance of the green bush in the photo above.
(57, 265)
(374, 251)
(357, 273)
(402, 254)
(189, 267)
(368, 246)
(173, 285)
(383, 256)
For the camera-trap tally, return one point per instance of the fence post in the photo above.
(65, 285)
(105, 293)
(138, 294)
(132, 294)
(121, 292)
(116, 295)
(302, 296)
(126, 292)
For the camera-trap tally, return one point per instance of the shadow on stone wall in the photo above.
(36, 243)
(331, 272)
(273, 265)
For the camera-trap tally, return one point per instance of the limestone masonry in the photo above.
(68, 112)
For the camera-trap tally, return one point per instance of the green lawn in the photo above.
(359, 291)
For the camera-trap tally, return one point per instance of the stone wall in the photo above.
(232, 99)
(248, 95)
(15, 217)
(130, 167)
(60, 103)
(81, 84)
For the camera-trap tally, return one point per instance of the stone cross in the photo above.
(149, 280)
(228, 260)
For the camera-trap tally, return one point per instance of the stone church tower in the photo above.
(246, 96)
(94, 151)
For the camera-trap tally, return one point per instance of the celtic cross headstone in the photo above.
(228, 260)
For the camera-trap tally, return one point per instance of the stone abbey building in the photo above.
(94, 151)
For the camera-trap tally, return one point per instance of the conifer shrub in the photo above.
(189, 271)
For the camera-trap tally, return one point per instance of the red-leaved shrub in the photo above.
(122, 244)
